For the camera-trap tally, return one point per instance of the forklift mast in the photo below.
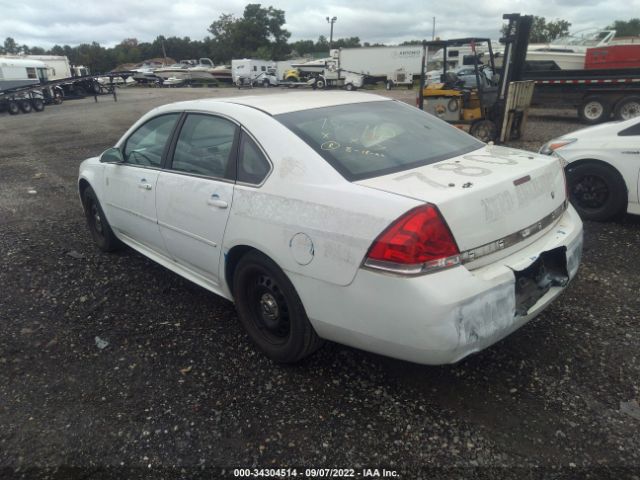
(516, 42)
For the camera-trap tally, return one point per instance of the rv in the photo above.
(17, 72)
(255, 72)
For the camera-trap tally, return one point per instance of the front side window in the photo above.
(369, 139)
(253, 166)
(145, 146)
(205, 146)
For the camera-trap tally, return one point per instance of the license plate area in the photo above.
(532, 283)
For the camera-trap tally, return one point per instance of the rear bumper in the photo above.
(437, 318)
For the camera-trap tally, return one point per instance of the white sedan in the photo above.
(340, 216)
(603, 170)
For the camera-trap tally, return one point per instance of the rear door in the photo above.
(195, 192)
(130, 186)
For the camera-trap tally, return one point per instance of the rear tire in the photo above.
(13, 108)
(596, 190)
(594, 109)
(270, 310)
(38, 104)
(25, 106)
(321, 83)
(627, 108)
(99, 227)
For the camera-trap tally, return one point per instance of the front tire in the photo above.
(596, 190)
(270, 310)
(99, 227)
(484, 130)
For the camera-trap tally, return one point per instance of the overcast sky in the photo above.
(46, 22)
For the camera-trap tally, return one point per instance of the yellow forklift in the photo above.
(491, 108)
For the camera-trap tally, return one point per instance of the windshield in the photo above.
(364, 140)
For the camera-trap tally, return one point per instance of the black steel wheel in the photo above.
(12, 107)
(596, 190)
(270, 310)
(99, 227)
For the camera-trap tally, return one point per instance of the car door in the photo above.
(194, 193)
(627, 152)
(130, 186)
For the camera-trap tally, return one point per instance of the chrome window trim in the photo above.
(514, 238)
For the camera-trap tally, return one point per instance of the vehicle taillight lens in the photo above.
(417, 242)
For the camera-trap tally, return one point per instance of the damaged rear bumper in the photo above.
(443, 317)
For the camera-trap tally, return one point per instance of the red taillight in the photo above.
(418, 242)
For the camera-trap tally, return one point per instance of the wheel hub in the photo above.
(269, 308)
(591, 192)
(97, 220)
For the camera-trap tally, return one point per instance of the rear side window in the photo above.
(631, 131)
(204, 146)
(364, 140)
(145, 146)
(253, 167)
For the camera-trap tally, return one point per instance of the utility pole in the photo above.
(331, 20)
(433, 29)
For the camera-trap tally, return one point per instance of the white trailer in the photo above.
(393, 65)
(18, 72)
(58, 66)
(398, 65)
(249, 71)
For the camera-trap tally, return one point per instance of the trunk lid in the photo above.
(485, 195)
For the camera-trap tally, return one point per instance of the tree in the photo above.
(258, 28)
(628, 28)
(543, 31)
(10, 46)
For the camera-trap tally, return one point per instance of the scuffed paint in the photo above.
(536, 187)
(574, 255)
(486, 315)
(289, 167)
(336, 232)
(497, 206)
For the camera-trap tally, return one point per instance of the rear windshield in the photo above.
(365, 140)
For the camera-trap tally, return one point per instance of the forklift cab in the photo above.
(485, 108)
(466, 96)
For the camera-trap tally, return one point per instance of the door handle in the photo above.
(215, 201)
(144, 185)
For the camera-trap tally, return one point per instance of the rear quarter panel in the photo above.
(305, 195)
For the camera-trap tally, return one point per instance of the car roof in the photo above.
(275, 104)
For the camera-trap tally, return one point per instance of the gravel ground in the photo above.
(111, 366)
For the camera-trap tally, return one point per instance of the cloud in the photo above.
(45, 23)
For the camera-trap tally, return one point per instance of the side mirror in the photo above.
(112, 155)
